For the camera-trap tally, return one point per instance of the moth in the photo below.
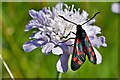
(82, 46)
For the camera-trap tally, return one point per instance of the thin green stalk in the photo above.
(7, 68)
(58, 76)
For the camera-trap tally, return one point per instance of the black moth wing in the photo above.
(78, 57)
(89, 50)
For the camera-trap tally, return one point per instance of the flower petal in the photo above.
(83, 16)
(41, 41)
(48, 47)
(70, 49)
(34, 23)
(62, 64)
(29, 46)
(103, 41)
(96, 29)
(33, 13)
(64, 48)
(36, 35)
(98, 41)
(98, 56)
(57, 50)
(47, 11)
(59, 6)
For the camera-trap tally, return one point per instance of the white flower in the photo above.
(52, 29)
(115, 7)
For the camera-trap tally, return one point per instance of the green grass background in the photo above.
(37, 65)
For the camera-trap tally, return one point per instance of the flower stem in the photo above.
(58, 76)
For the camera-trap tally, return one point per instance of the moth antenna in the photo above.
(91, 18)
(66, 19)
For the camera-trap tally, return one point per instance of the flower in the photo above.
(52, 31)
(115, 7)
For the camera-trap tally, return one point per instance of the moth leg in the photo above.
(67, 40)
(68, 35)
(73, 33)
(71, 45)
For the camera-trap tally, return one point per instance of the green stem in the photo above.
(58, 76)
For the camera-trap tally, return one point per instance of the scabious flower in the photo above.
(52, 29)
(115, 7)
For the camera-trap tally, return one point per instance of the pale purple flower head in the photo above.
(51, 29)
(115, 7)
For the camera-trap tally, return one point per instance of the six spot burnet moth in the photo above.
(82, 47)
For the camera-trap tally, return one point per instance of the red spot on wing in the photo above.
(79, 62)
(89, 49)
(78, 40)
(87, 38)
(92, 53)
(75, 59)
(84, 49)
(79, 53)
(75, 50)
